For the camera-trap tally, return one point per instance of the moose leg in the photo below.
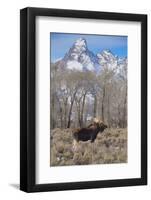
(92, 150)
(75, 145)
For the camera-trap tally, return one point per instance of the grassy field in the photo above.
(109, 147)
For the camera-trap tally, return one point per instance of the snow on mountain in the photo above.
(107, 59)
(74, 64)
(122, 67)
(79, 57)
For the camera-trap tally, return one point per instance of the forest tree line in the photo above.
(78, 96)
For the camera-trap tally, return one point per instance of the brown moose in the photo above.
(88, 133)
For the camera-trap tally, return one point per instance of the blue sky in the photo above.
(62, 42)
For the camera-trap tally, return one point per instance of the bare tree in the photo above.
(79, 95)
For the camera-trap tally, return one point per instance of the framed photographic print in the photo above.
(83, 99)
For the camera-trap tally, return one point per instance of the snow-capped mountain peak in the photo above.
(107, 59)
(81, 44)
(80, 58)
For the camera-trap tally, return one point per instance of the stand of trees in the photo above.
(78, 96)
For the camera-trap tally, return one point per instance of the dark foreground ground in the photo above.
(109, 147)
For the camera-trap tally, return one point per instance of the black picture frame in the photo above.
(28, 99)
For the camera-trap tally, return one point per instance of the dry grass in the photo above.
(109, 147)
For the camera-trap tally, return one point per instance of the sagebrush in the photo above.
(109, 147)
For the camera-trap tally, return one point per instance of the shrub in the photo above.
(109, 147)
